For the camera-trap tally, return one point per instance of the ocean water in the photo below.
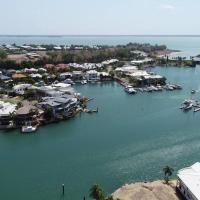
(183, 43)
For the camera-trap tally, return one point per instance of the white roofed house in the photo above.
(31, 70)
(36, 76)
(188, 182)
(92, 75)
(20, 89)
(6, 111)
(145, 61)
(126, 69)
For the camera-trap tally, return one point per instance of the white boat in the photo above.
(69, 81)
(28, 129)
(83, 82)
(129, 89)
(149, 89)
(169, 87)
(187, 105)
(159, 87)
(140, 89)
(154, 88)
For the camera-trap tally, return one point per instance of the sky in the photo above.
(99, 17)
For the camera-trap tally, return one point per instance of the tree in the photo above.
(3, 54)
(168, 172)
(48, 114)
(96, 192)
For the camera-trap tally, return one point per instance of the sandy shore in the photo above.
(157, 190)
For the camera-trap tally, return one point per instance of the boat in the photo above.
(169, 87)
(187, 105)
(83, 82)
(196, 109)
(28, 129)
(193, 91)
(69, 81)
(154, 88)
(159, 87)
(178, 87)
(129, 89)
(149, 89)
(140, 89)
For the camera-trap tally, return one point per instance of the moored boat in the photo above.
(129, 89)
(84, 82)
(187, 105)
(28, 129)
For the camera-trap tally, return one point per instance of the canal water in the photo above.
(131, 139)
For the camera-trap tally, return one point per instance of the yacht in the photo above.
(187, 105)
(69, 81)
(28, 129)
(129, 89)
(169, 87)
(159, 87)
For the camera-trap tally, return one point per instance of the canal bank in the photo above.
(131, 139)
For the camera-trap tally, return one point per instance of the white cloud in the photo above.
(167, 7)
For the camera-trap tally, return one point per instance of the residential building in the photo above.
(21, 88)
(92, 75)
(77, 75)
(188, 182)
(6, 111)
(60, 105)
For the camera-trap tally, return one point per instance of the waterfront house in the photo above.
(104, 76)
(77, 75)
(188, 182)
(143, 78)
(6, 111)
(60, 105)
(92, 75)
(27, 115)
(126, 69)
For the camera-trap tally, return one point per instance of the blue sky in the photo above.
(99, 17)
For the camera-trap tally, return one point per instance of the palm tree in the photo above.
(96, 192)
(168, 172)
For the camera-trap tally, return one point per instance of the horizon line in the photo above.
(99, 35)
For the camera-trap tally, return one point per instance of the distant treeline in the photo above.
(86, 54)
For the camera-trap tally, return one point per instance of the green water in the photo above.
(130, 139)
